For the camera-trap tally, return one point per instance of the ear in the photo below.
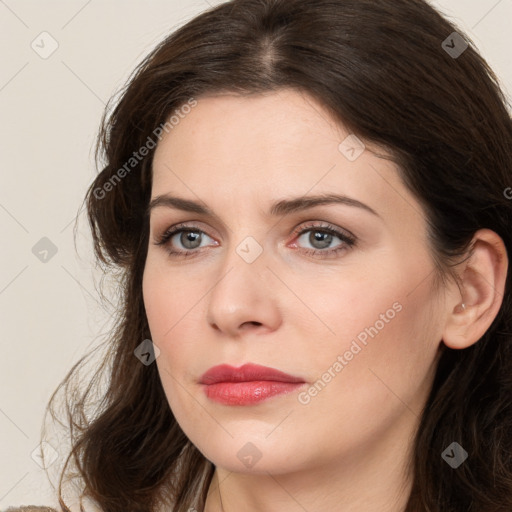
(482, 286)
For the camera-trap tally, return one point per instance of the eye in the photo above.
(321, 237)
(190, 238)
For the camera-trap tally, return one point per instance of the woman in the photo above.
(309, 202)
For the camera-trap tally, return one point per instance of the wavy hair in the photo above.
(383, 69)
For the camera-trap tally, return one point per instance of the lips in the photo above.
(246, 373)
(248, 385)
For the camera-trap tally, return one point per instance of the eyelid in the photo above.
(192, 225)
(178, 228)
(325, 226)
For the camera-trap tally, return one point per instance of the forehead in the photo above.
(267, 146)
(266, 122)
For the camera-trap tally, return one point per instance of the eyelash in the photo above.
(349, 241)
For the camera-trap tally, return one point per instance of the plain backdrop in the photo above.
(50, 109)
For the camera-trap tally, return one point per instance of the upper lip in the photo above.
(246, 373)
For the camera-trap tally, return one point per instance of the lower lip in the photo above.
(247, 393)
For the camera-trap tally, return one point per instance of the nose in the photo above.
(245, 297)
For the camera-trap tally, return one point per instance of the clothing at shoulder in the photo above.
(30, 509)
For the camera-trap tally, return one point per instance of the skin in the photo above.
(347, 448)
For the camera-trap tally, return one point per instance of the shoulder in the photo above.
(30, 509)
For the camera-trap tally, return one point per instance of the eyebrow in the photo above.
(281, 207)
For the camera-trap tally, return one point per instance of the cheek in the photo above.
(365, 388)
(343, 310)
(384, 333)
(169, 299)
(171, 308)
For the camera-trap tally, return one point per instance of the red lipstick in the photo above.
(246, 385)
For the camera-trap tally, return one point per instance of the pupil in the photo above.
(185, 241)
(323, 238)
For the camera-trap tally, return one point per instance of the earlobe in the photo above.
(482, 285)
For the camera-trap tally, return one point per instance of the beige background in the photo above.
(50, 110)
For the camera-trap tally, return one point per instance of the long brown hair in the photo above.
(395, 74)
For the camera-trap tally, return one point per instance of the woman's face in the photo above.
(355, 319)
